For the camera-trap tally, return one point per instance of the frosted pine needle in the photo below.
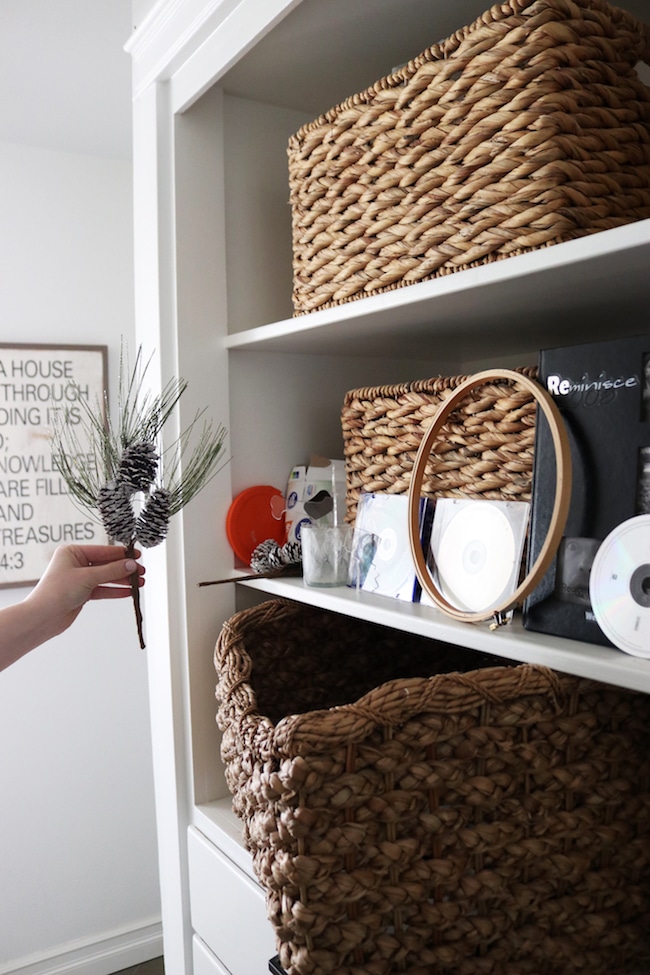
(127, 479)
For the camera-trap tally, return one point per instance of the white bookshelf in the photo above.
(219, 86)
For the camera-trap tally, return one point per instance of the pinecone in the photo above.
(114, 504)
(269, 556)
(153, 521)
(138, 466)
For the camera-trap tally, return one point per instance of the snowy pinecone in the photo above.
(138, 466)
(114, 504)
(153, 521)
(268, 556)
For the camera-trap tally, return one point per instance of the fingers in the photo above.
(115, 591)
(100, 554)
(119, 572)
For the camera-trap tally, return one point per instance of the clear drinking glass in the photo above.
(326, 554)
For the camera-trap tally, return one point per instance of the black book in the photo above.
(602, 390)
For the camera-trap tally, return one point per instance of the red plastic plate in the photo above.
(250, 520)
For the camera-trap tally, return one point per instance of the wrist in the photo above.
(20, 632)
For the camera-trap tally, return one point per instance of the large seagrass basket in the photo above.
(486, 448)
(526, 128)
(414, 808)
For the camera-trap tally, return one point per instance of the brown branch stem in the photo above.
(134, 579)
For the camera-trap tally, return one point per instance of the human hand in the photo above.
(79, 573)
(75, 575)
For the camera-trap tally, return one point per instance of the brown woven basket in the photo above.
(488, 822)
(487, 451)
(524, 129)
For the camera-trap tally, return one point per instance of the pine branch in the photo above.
(122, 474)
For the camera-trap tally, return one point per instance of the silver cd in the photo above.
(475, 557)
(387, 546)
(619, 586)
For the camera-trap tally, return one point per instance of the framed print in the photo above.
(39, 383)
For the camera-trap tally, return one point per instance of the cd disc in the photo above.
(475, 557)
(387, 544)
(619, 586)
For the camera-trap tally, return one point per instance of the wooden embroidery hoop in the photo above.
(560, 507)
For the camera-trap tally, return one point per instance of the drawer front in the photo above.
(228, 910)
(204, 962)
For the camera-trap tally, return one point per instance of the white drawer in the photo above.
(228, 911)
(204, 962)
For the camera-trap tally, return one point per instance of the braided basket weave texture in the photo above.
(407, 812)
(486, 447)
(524, 129)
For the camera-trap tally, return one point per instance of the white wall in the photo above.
(140, 9)
(78, 864)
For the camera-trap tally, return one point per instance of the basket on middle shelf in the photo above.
(486, 452)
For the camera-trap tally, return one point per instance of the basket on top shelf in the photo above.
(486, 452)
(414, 808)
(526, 128)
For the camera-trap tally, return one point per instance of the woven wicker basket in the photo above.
(491, 822)
(526, 128)
(487, 450)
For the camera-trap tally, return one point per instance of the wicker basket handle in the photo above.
(560, 507)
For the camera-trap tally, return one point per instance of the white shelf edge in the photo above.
(604, 664)
(606, 244)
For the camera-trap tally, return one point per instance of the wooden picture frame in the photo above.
(36, 512)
